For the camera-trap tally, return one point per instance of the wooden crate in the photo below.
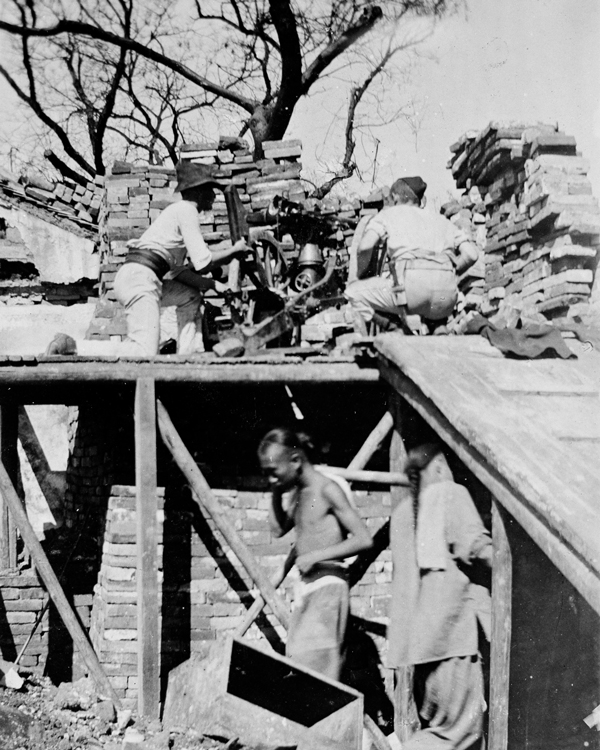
(236, 689)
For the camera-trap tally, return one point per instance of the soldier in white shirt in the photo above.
(420, 255)
(162, 269)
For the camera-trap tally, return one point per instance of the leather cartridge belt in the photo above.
(149, 258)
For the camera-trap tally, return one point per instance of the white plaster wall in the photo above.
(60, 257)
(28, 329)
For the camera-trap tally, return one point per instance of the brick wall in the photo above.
(22, 598)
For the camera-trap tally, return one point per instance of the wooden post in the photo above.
(54, 588)
(9, 427)
(147, 543)
(405, 578)
(205, 498)
(501, 629)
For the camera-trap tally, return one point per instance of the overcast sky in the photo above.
(524, 60)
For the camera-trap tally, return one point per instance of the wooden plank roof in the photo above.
(529, 429)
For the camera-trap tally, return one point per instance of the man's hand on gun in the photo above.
(241, 248)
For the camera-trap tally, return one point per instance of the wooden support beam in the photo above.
(372, 477)
(147, 550)
(405, 584)
(9, 428)
(501, 629)
(207, 501)
(259, 603)
(54, 588)
(186, 370)
(373, 441)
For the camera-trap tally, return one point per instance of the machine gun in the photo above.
(297, 266)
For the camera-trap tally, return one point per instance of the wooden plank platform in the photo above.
(529, 429)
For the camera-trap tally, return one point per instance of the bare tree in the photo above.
(157, 71)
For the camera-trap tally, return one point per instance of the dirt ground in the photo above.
(41, 716)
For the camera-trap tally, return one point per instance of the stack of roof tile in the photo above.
(64, 200)
(542, 222)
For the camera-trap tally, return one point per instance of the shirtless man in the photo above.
(328, 530)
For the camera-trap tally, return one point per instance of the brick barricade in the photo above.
(528, 203)
(135, 196)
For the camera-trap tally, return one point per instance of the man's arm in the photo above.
(198, 281)
(279, 521)
(466, 256)
(359, 538)
(201, 257)
(469, 537)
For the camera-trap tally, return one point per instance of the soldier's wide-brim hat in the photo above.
(416, 184)
(190, 175)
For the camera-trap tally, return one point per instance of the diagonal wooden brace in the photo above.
(207, 501)
(54, 588)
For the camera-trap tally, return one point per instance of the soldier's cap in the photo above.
(190, 175)
(416, 184)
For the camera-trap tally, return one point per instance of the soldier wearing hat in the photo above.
(162, 269)
(418, 255)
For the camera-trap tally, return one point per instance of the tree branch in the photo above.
(348, 166)
(51, 124)
(366, 22)
(64, 168)
(67, 26)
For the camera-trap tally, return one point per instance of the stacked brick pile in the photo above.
(21, 599)
(69, 200)
(135, 195)
(113, 629)
(542, 222)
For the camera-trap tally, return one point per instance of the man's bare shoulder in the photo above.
(333, 493)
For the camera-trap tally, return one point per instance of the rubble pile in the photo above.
(73, 716)
(526, 189)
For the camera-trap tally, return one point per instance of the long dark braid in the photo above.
(417, 460)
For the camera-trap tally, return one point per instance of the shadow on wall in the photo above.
(9, 650)
(555, 655)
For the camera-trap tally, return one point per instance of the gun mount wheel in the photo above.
(306, 278)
